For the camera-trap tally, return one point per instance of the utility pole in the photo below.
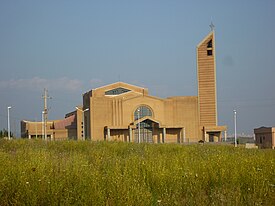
(42, 125)
(45, 96)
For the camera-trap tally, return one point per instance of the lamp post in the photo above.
(9, 132)
(138, 125)
(83, 111)
(35, 128)
(235, 127)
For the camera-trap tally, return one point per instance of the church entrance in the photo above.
(144, 132)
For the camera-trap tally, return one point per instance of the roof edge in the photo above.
(118, 83)
(207, 36)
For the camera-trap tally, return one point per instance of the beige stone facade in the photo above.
(125, 112)
(265, 137)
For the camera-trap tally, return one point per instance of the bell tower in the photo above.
(206, 73)
(207, 92)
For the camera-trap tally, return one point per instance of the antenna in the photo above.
(45, 96)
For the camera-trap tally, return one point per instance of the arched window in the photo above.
(144, 129)
(142, 111)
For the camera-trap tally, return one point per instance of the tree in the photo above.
(4, 133)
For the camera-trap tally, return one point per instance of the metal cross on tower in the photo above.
(212, 26)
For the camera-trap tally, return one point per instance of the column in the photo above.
(184, 138)
(164, 135)
(180, 139)
(204, 135)
(225, 135)
(130, 134)
(108, 134)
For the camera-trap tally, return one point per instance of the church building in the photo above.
(125, 112)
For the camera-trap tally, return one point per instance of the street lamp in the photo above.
(138, 125)
(83, 111)
(35, 128)
(9, 132)
(235, 126)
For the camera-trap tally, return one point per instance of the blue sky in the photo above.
(71, 47)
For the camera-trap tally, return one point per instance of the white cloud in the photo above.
(37, 83)
(94, 83)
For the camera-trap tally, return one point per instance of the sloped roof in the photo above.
(205, 38)
(120, 88)
(119, 84)
(65, 123)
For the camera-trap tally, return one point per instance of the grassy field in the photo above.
(116, 173)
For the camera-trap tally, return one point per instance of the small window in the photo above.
(117, 91)
(209, 53)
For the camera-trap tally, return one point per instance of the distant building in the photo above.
(126, 112)
(265, 137)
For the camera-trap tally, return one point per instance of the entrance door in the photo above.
(214, 136)
(211, 137)
(144, 132)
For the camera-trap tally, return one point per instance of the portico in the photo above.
(145, 130)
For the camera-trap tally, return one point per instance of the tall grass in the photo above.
(116, 173)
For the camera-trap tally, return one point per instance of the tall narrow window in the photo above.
(144, 129)
(209, 48)
(209, 44)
